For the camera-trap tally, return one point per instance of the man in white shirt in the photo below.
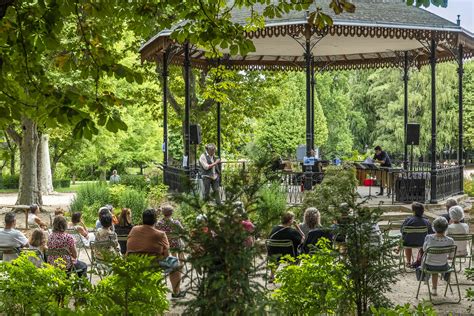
(210, 174)
(114, 178)
(10, 237)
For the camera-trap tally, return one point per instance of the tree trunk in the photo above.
(12, 163)
(28, 192)
(45, 178)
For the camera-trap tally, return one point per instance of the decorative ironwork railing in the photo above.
(410, 186)
(448, 182)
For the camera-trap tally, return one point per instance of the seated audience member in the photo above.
(60, 239)
(173, 229)
(284, 231)
(115, 220)
(33, 217)
(10, 237)
(315, 234)
(456, 213)
(437, 262)
(38, 242)
(449, 204)
(58, 212)
(146, 239)
(102, 211)
(124, 227)
(80, 227)
(310, 220)
(105, 233)
(415, 239)
(340, 221)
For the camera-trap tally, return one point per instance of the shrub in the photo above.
(270, 204)
(62, 183)
(423, 309)
(27, 290)
(469, 186)
(137, 182)
(89, 194)
(316, 286)
(339, 186)
(10, 182)
(157, 195)
(116, 192)
(135, 287)
(136, 201)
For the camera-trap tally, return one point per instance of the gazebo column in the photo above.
(405, 109)
(313, 84)
(434, 172)
(165, 107)
(308, 175)
(461, 114)
(187, 102)
(218, 129)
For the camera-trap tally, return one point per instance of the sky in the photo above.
(463, 7)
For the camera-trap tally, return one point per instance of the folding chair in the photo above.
(451, 269)
(408, 230)
(63, 252)
(462, 258)
(7, 250)
(79, 242)
(277, 248)
(100, 251)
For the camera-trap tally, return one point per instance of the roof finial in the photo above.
(458, 21)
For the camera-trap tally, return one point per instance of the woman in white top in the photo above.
(437, 262)
(33, 217)
(456, 213)
(80, 227)
(311, 220)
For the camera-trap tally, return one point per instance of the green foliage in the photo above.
(10, 181)
(281, 128)
(368, 257)
(27, 290)
(422, 309)
(469, 186)
(61, 183)
(137, 182)
(315, 286)
(90, 194)
(339, 186)
(157, 195)
(136, 201)
(270, 204)
(136, 286)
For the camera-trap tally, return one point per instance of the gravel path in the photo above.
(52, 200)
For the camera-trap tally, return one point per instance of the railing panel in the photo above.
(448, 182)
(410, 186)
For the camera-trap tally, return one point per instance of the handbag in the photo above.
(169, 264)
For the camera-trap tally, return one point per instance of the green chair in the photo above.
(407, 230)
(463, 258)
(448, 250)
(79, 243)
(7, 250)
(276, 248)
(100, 255)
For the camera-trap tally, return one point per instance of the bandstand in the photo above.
(380, 34)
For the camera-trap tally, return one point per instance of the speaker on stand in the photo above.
(195, 139)
(413, 138)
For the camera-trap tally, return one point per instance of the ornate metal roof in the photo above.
(374, 36)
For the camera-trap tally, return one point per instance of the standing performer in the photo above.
(384, 160)
(210, 174)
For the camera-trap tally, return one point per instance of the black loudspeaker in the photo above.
(413, 134)
(195, 134)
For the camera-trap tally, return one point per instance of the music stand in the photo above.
(369, 167)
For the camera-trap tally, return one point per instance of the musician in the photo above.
(384, 160)
(210, 172)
